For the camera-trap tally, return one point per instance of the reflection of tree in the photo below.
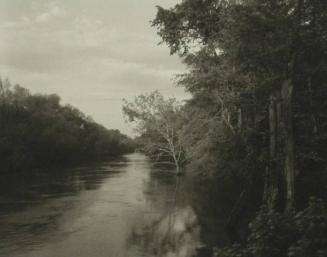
(172, 199)
(213, 203)
(172, 212)
(176, 233)
(35, 187)
(32, 206)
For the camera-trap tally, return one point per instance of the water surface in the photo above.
(124, 207)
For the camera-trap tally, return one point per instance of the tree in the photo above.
(256, 67)
(158, 123)
(30, 123)
(261, 64)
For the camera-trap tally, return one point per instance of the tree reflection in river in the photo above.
(33, 205)
(176, 233)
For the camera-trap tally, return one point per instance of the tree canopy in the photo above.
(158, 122)
(256, 73)
(37, 131)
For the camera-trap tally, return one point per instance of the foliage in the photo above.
(289, 234)
(239, 54)
(158, 122)
(36, 130)
(199, 135)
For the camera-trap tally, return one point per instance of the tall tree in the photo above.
(253, 61)
(157, 121)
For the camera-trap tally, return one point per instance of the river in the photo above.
(125, 207)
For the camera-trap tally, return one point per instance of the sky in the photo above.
(92, 53)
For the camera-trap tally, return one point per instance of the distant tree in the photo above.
(36, 130)
(158, 122)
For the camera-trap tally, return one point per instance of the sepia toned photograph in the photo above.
(163, 128)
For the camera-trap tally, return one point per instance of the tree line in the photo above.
(256, 119)
(36, 130)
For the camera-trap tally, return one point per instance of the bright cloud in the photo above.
(52, 10)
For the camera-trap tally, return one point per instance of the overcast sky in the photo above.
(92, 53)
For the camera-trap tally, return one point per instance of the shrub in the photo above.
(289, 234)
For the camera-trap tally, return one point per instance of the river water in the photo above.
(125, 207)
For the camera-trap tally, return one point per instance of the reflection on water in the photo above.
(174, 232)
(126, 207)
(174, 235)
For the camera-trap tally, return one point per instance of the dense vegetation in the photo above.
(36, 131)
(256, 124)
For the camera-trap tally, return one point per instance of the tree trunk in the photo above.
(272, 191)
(287, 93)
(279, 178)
(176, 162)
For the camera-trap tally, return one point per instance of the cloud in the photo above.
(22, 22)
(25, 20)
(80, 41)
(52, 10)
(43, 14)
